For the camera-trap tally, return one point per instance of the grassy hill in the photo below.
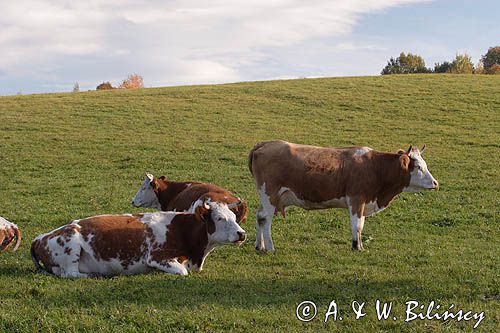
(67, 156)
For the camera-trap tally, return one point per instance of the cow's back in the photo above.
(198, 191)
(313, 174)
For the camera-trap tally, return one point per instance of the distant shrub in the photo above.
(105, 86)
(445, 67)
(133, 81)
(479, 68)
(495, 69)
(405, 64)
(491, 60)
(462, 65)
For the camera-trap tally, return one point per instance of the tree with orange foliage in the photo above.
(133, 81)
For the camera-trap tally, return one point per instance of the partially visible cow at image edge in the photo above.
(9, 232)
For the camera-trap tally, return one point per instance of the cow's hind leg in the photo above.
(259, 229)
(66, 250)
(264, 241)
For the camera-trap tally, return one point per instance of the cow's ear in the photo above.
(405, 161)
(154, 184)
(202, 213)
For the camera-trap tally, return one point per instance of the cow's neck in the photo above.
(190, 239)
(169, 191)
(392, 178)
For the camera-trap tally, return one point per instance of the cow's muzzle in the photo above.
(242, 236)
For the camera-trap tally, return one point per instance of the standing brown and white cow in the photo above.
(173, 242)
(167, 195)
(358, 178)
(8, 232)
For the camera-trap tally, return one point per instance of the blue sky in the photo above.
(47, 46)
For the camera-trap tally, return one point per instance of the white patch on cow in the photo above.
(4, 224)
(357, 224)
(158, 222)
(146, 196)
(420, 177)
(226, 228)
(361, 151)
(372, 207)
(66, 255)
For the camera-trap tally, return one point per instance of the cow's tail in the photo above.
(35, 259)
(250, 155)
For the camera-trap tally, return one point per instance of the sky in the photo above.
(48, 46)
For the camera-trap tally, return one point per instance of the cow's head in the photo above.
(146, 195)
(221, 223)
(420, 176)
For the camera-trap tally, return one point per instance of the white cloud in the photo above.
(168, 42)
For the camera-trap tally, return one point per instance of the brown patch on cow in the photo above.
(180, 196)
(240, 210)
(317, 174)
(186, 238)
(182, 259)
(205, 215)
(67, 250)
(119, 237)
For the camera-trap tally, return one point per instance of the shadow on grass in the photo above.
(175, 292)
(14, 270)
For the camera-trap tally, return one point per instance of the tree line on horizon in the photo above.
(133, 81)
(462, 64)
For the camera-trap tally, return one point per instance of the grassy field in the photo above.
(72, 155)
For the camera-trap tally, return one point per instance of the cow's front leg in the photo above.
(357, 223)
(169, 266)
(264, 241)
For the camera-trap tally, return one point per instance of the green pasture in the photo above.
(72, 155)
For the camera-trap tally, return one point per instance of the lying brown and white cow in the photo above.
(8, 232)
(358, 178)
(166, 195)
(107, 245)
